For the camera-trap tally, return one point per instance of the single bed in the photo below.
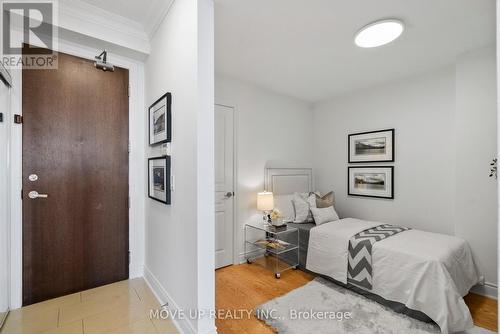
(304, 231)
(426, 283)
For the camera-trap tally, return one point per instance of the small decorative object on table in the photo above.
(276, 218)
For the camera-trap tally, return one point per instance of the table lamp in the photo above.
(265, 203)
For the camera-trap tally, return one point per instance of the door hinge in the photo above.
(128, 202)
(18, 119)
(128, 90)
(128, 257)
(128, 147)
(21, 194)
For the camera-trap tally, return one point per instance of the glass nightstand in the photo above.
(276, 249)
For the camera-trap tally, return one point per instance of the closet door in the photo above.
(4, 199)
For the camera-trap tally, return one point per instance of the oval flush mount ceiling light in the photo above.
(379, 33)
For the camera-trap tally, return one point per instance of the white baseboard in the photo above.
(184, 326)
(241, 258)
(488, 290)
(135, 270)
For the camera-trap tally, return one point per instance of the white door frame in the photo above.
(137, 169)
(236, 256)
(7, 114)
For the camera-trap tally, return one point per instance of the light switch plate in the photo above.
(167, 149)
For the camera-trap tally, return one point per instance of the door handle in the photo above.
(229, 194)
(34, 194)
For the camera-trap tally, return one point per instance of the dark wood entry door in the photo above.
(75, 140)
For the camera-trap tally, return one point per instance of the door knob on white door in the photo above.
(229, 194)
(34, 194)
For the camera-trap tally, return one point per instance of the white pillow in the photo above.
(302, 203)
(324, 215)
(285, 205)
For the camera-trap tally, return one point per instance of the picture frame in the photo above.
(159, 179)
(371, 146)
(160, 120)
(371, 181)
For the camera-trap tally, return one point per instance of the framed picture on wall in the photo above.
(159, 179)
(368, 181)
(160, 120)
(374, 146)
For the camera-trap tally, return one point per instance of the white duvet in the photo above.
(425, 271)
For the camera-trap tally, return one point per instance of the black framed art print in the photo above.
(159, 179)
(160, 120)
(368, 181)
(373, 146)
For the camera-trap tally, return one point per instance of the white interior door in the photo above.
(224, 185)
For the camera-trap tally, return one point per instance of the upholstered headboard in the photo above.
(288, 180)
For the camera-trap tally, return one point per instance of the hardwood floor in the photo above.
(247, 286)
(484, 311)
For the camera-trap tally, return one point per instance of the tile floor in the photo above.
(119, 308)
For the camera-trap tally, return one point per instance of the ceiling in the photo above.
(305, 48)
(131, 9)
(148, 13)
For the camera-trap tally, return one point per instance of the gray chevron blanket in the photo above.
(359, 268)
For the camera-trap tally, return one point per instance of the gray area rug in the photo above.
(338, 310)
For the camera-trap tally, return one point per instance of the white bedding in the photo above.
(425, 271)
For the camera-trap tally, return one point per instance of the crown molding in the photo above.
(94, 22)
(157, 13)
(79, 17)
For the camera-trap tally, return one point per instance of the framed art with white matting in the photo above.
(159, 179)
(160, 120)
(370, 181)
(373, 146)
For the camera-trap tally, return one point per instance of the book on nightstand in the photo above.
(277, 228)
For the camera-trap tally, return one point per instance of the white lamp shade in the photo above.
(265, 201)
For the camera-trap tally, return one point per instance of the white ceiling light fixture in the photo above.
(379, 33)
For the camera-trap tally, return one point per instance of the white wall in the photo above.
(445, 125)
(269, 126)
(476, 130)
(421, 109)
(206, 164)
(180, 236)
(498, 124)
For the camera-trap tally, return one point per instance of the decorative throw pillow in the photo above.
(303, 203)
(324, 215)
(325, 201)
(285, 205)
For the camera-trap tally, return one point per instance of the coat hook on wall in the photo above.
(493, 168)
